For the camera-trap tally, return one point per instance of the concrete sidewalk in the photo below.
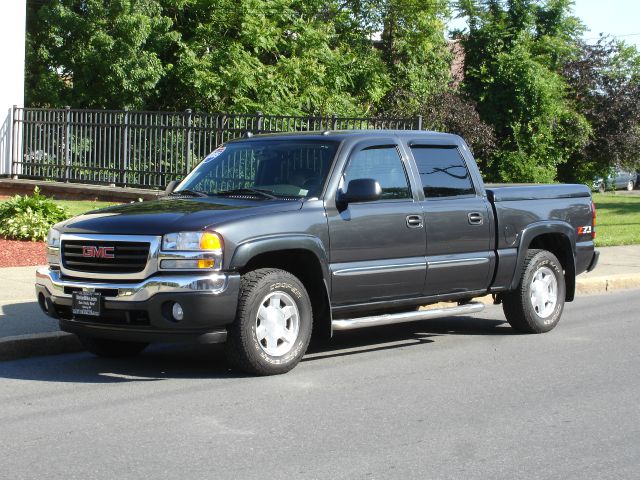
(26, 331)
(618, 269)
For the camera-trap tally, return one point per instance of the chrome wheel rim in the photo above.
(277, 324)
(544, 292)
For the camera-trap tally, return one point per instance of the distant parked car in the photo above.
(618, 180)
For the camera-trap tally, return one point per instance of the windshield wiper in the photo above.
(255, 191)
(193, 193)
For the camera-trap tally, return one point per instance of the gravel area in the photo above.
(20, 253)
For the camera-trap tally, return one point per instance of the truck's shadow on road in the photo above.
(207, 362)
(402, 335)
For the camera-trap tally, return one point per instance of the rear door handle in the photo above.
(414, 221)
(475, 218)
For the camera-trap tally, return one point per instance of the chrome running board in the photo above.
(390, 318)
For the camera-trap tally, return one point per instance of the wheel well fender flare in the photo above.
(250, 249)
(553, 227)
(245, 251)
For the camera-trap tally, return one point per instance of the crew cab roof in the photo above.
(340, 135)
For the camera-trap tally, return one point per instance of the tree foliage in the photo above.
(415, 51)
(94, 53)
(535, 101)
(514, 51)
(604, 83)
(276, 56)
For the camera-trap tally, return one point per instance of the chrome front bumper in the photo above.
(214, 283)
(140, 310)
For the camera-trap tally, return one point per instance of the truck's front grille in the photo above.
(104, 256)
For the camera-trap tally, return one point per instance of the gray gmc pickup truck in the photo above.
(275, 237)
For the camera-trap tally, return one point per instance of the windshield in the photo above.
(280, 168)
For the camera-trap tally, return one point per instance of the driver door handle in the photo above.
(475, 218)
(414, 221)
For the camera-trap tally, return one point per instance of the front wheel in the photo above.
(273, 323)
(537, 304)
(630, 185)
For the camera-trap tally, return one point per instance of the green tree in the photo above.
(276, 56)
(95, 53)
(514, 52)
(415, 51)
(604, 82)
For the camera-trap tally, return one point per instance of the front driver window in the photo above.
(382, 164)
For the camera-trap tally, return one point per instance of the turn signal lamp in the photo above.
(206, 263)
(210, 241)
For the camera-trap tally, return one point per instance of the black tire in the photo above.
(103, 347)
(248, 353)
(630, 185)
(518, 305)
(601, 188)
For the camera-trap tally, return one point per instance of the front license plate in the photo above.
(86, 303)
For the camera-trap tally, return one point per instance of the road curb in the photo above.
(607, 283)
(56, 343)
(38, 344)
(594, 285)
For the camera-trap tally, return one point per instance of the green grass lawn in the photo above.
(76, 207)
(618, 220)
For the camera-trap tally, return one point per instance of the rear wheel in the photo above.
(103, 347)
(536, 305)
(630, 185)
(273, 323)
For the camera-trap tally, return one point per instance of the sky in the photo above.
(620, 18)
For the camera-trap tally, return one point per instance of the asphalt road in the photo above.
(454, 398)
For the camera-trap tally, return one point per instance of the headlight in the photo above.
(53, 247)
(192, 242)
(53, 238)
(191, 251)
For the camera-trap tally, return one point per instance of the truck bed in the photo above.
(516, 192)
(519, 208)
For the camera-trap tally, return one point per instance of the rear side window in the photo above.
(442, 171)
(382, 164)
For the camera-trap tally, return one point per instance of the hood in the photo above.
(167, 215)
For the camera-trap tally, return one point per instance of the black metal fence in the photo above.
(145, 149)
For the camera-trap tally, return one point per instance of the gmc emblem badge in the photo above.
(98, 252)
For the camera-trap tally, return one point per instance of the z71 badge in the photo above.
(584, 230)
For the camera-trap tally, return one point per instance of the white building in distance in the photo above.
(12, 38)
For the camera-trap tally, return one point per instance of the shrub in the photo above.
(29, 217)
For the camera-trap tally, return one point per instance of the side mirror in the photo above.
(361, 190)
(171, 186)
